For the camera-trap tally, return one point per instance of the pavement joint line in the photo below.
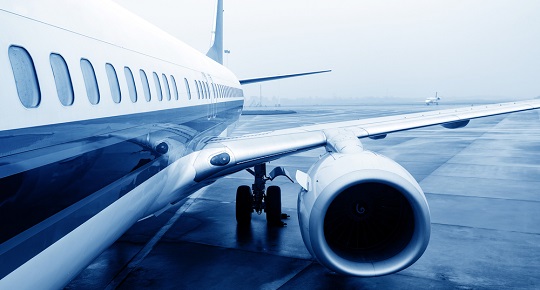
(297, 274)
(486, 131)
(269, 253)
(483, 197)
(141, 255)
(486, 229)
(492, 178)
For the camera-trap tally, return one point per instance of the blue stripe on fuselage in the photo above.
(54, 178)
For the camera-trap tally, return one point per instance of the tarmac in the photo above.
(482, 183)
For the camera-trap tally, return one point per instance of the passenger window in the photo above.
(113, 83)
(166, 85)
(62, 79)
(188, 89)
(203, 91)
(158, 87)
(90, 81)
(175, 89)
(198, 89)
(131, 84)
(201, 88)
(25, 76)
(146, 85)
(206, 90)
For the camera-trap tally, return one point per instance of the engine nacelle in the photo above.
(363, 215)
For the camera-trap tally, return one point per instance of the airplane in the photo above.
(103, 127)
(433, 100)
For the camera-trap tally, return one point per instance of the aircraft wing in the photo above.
(272, 78)
(222, 156)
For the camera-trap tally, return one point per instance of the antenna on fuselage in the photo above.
(216, 51)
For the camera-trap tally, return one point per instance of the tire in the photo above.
(273, 206)
(244, 207)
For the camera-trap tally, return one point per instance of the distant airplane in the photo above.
(106, 120)
(433, 100)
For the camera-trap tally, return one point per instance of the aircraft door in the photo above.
(212, 107)
(208, 96)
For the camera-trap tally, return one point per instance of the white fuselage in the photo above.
(92, 169)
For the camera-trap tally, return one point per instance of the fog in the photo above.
(378, 49)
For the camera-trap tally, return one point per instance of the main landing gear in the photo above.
(259, 199)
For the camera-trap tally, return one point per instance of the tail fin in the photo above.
(216, 51)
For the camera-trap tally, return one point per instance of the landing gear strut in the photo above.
(259, 199)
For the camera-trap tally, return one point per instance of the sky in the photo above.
(462, 49)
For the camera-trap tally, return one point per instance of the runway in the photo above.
(482, 183)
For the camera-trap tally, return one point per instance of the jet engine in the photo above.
(362, 214)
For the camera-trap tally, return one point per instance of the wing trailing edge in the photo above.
(271, 78)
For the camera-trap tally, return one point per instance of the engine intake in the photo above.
(363, 214)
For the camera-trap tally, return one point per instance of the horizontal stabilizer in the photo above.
(265, 79)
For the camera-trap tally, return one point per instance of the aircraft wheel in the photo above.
(273, 206)
(244, 207)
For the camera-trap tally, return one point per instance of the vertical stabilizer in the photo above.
(216, 51)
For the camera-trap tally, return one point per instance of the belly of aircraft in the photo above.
(59, 184)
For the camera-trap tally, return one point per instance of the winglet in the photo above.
(216, 51)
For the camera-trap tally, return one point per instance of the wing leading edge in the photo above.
(248, 150)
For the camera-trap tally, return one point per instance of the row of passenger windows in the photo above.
(29, 92)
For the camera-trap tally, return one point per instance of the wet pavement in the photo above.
(482, 183)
